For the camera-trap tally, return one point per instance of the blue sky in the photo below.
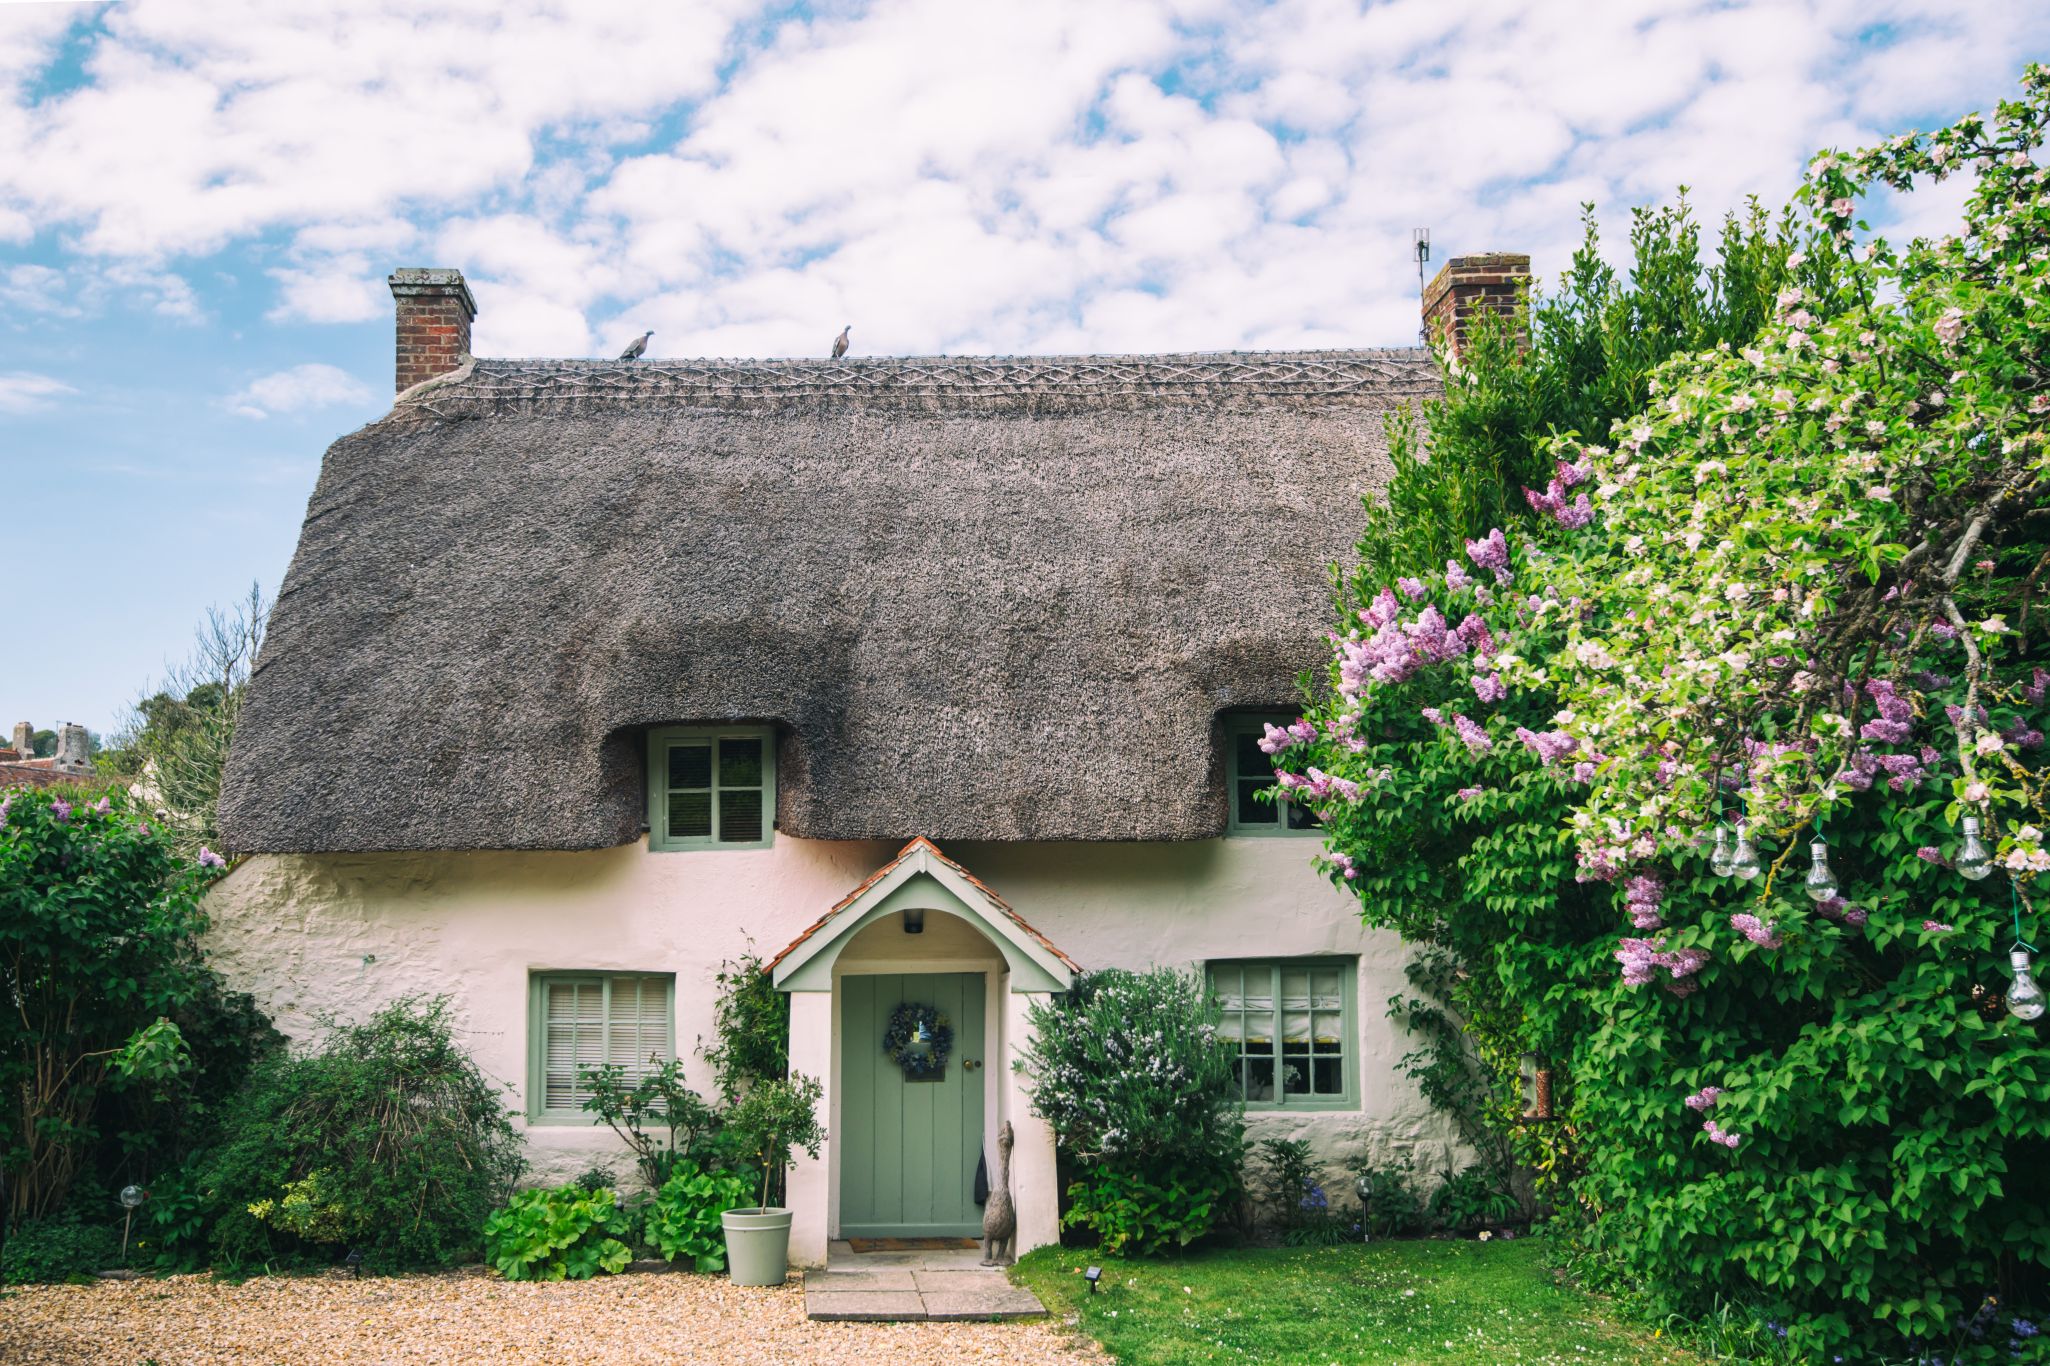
(199, 203)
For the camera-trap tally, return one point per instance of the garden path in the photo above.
(929, 1284)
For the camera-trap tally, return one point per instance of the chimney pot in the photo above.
(433, 332)
(1468, 285)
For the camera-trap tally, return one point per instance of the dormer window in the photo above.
(1251, 771)
(711, 787)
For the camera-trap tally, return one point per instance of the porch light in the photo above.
(914, 920)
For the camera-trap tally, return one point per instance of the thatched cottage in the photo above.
(935, 680)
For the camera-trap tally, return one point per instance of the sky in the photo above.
(199, 204)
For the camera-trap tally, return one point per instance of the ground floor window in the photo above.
(584, 1019)
(1291, 1022)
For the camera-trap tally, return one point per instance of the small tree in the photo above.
(641, 1110)
(773, 1118)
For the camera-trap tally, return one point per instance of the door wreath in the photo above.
(918, 1040)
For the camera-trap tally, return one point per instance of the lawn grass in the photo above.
(1446, 1303)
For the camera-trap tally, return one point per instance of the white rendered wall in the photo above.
(342, 933)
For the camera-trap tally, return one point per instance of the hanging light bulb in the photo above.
(1719, 857)
(2025, 997)
(1974, 859)
(1820, 883)
(1744, 863)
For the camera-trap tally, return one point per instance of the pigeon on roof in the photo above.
(840, 342)
(637, 348)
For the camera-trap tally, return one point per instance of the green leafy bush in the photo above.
(108, 996)
(1394, 1206)
(659, 1118)
(682, 1221)
(1471, 1198)
(44, 1251)
(1145, 1212)
(553, 1235)
(385, 1135)
(752, 1025)
(1140, 1087)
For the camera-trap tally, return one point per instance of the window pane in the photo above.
(690, 766)
(1257, 1070)
(690, 814)
(740, 763)
(1252, 811)
(1299, 817)
(1329, 1076)
(1253, 761)
(740, 816)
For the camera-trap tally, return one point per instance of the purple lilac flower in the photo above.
(61, 809)
(1489, 687)
(1757, 931)
(1474, 632)
(5, 802)
(1550, 746)
(2022, 1328)
(1641, 897)
(1467, 794)
(103, 806)
(1553, 502)
(2038, 683)
(1491, 552)
(1705, 1098)
(1475, 739)
(1411, 588)
(1434, 716)
(1642, 958)
(1345, 865)
(1457, 578)
(1938, 927)
(1716, 1134)
(2022, 735)
(1929, 853)
(1896, 715)
(209, 859)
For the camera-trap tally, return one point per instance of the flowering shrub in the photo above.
(1800, 590)
(108, 1002)
(1142, 1093)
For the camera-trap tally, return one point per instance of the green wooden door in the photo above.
(908, 1149)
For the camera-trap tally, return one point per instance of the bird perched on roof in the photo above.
(637, 348)
(840, 342)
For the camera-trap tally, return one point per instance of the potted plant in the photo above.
(769, 1121)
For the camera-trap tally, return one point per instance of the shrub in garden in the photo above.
(99, 924)
(564, 1234)
(1140, 1088)
(660, 1119)
(1797, 590)
(44, 1251)
(682, 1220)
(384, 1136)
(770, 1120)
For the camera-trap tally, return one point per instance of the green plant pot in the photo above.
(757, 1245)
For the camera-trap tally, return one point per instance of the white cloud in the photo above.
(23, 392)
(957, 177)
(302, 387)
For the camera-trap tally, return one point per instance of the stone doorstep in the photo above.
(901, 1295)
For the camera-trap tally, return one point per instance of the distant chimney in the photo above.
(435, 311)
(1466, 286)
(25, 739)
(73, 749)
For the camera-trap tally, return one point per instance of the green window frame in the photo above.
(1307, 1004)
(1249, 769)
(582, 1019)
(711, 787)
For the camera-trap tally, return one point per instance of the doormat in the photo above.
(910, 1244)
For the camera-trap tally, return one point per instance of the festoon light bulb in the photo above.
(1744, 863)
(1719, 857)
(1820, 884)
(2025, 997)
(1974, 859)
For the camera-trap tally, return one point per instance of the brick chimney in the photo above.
(435, 311)
(25, 739)
(1467, 285)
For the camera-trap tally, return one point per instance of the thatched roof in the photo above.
(980, 599)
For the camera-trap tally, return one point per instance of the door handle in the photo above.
(970, 1064)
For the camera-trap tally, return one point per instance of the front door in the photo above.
(909, 1148)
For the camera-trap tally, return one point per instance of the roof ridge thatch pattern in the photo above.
(1233, 376)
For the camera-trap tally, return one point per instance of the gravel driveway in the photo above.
(470, 1317)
